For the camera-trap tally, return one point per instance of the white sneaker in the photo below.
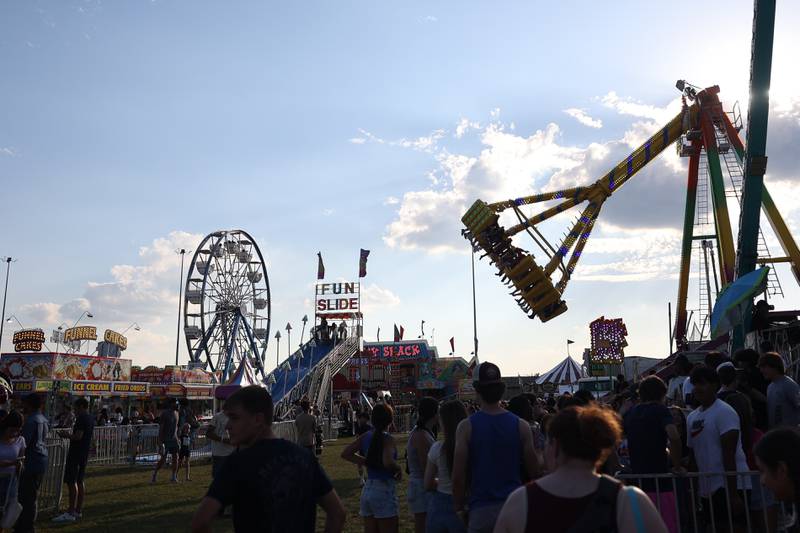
(65, 517)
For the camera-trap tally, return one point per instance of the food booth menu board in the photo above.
(103, 388)
(61, 366)
(177, 390)
(171, 374)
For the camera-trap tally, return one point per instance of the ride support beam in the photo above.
(755, 159)
(686, 246)
(776, 221)
(722, 219)
(232, 346)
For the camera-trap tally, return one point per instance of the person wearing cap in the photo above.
(493, 445)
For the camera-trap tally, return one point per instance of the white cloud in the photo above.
(145, 293)
(374, 298)
(429, 18)
(581, 116)
(426, 143)
(391, 200)
(357, 140)
(327, 212)
(5, 150)
(465, 125)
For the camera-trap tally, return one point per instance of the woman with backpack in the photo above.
(574, 497)
(376, 449)
(441, 517)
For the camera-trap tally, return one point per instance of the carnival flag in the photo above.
(320, 267)
(362, 263)
(453, 344)
(396, 334)
(402, 332)
(570, 342)
(422, 327)
(379, 335)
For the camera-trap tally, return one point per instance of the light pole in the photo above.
(60, 335)
(8, 261)
(277, 348)
(303, 331)
(14, 318)
(84, 314)
(135, 326)
(288, 340)
(182, 253)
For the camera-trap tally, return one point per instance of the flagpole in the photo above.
(474, 307)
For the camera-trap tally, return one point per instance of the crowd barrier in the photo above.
(53, 482)
(682, 502)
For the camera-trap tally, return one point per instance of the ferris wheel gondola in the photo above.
(227, 304)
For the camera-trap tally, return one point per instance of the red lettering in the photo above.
(353, 303)
(321, 305)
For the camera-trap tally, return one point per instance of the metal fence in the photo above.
(53, 482)
(119, 445)
(702, 502)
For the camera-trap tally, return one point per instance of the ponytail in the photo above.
(427, 409)
(381, 419)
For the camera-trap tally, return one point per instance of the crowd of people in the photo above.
(657, 453)
(714, 443)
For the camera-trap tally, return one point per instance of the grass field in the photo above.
(121, 499)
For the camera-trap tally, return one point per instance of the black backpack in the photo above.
(600, 515)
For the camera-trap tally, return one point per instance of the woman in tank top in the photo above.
(574, 495)
(377, 450)
(419, 443)
(441, 518)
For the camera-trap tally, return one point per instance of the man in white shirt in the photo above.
(713, 436)
(682, 367)
(221, 446)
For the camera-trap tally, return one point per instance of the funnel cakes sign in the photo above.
(65, 367)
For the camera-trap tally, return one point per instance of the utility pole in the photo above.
(8, 261)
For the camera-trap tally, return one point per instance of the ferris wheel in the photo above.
(227, 303)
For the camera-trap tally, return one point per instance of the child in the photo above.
(185, 451)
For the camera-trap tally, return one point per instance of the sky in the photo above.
(131, 129)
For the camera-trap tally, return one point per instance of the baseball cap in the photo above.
(486, 373)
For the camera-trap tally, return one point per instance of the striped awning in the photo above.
(565, 372)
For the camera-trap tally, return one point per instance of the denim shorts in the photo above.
(417, 496)
(379, 498)
(441, 516)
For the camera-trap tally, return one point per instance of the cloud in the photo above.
(145, 293)
(581, 116)
(327, 212)
(429, 19)
(10, 152)
(374, 298)
(391, 200)
(631, 107)
(464, 126)
(357, 140)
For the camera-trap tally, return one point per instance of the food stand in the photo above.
(62, 376)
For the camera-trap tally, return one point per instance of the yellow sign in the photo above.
(90, 386)
(28, 340)
(81, 333)
(130, 388)
(116, 338)
(23, 386)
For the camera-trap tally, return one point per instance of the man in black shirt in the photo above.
(77, 457)
(273, 485)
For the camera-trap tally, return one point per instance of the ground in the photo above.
(121, 499)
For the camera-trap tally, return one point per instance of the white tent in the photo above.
(567, 372)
